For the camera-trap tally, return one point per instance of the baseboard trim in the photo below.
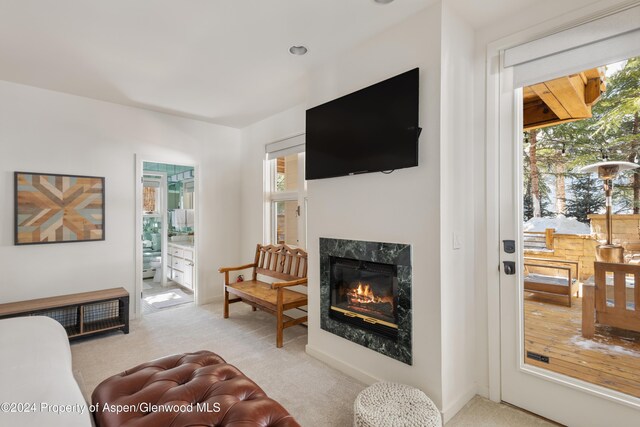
(451, 410)
(483, 391)
(343, 367)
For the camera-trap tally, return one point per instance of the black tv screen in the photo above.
(373, 129)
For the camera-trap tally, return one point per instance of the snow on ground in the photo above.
(594, 345)
(561, 223)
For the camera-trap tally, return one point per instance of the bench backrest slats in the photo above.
(280, 262)
(268, 263)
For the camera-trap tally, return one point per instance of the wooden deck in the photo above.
(611, 359)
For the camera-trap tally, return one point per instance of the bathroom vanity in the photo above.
(181, 263)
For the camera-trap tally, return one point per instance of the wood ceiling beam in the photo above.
(570, 92)
(538, 115)
(562, 100)
(545, 94)
(554, 122)
(594, 89)
(594, 73)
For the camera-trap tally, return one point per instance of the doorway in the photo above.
(167, 220)
(566, 328)
(519, 373)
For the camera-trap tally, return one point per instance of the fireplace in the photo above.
(365, 294)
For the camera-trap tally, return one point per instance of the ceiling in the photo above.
(480, 13)
(223, 61)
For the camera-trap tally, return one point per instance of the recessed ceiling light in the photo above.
(383, 1)
(298, 50)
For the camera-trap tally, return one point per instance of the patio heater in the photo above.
(607, 171)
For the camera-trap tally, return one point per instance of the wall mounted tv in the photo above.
(371, 130)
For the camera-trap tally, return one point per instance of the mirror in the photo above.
(188, 194)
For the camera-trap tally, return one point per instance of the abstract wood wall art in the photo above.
(52, 208)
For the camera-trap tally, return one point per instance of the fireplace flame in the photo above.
(361, 298)
(363, 294)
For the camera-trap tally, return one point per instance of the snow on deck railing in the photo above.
(540, 240)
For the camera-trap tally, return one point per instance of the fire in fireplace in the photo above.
(365, 294)
(363, 298)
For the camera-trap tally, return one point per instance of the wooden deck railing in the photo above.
(539, 239)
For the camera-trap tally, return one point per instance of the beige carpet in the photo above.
(315, 394)
(481, 412)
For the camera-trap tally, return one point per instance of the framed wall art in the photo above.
(52, 208)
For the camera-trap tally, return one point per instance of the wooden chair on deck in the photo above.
(621, 308)
(549, 276)
(279, 262)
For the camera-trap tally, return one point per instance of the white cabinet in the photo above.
(181, 265)
(177, 276)
(176, 252)
(188, 275)
(178, 264)
(169, 264)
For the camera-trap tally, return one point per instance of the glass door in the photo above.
(563, 355)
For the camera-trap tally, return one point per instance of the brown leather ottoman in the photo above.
(192, 389)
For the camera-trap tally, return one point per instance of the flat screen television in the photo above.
(371, 130)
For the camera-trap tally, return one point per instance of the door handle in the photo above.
(509, 267)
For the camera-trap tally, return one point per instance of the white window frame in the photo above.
(272, 196)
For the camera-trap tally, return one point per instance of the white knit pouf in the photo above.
(394, 405)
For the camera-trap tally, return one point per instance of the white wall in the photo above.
(254, 139)
(402, 207)
(457, 169)
(45, 131)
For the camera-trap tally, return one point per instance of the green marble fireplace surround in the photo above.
(399, 348)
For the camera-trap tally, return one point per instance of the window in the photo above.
(286, 195)
(286, 222)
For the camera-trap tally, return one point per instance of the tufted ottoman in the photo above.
(192, 389)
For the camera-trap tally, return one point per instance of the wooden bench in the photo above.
(561, 281)
(81, 314)
(280, 262)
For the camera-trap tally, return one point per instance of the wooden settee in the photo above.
(621, 307)
(552, 277)
(288, 266)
